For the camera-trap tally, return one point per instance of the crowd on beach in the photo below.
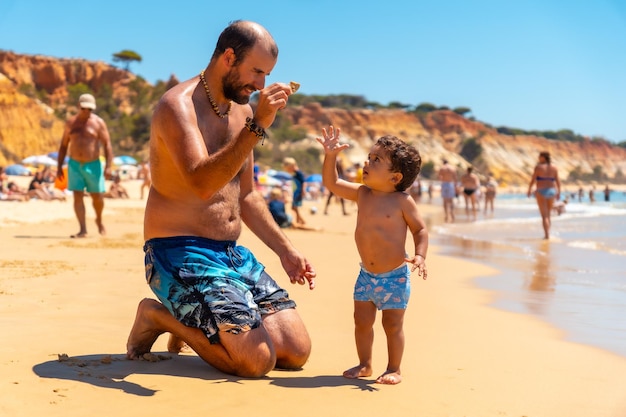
(473, 193)
(44, 185)
(290, 191)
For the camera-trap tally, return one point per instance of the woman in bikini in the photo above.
(548, 189)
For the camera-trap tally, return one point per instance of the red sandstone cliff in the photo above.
(54, 75)
(441, 134)
(29, 126)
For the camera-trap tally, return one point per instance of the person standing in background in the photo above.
(331, 195)
(358, 173)
(491, 189)
(144, 173)
(416, 190)
(471, 188)
(448, 177)
(85, 135)
(291, 166)
(548, 190)
(581, 193)
(607, 193)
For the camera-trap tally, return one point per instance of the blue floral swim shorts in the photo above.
(389, 290)
(212, 285)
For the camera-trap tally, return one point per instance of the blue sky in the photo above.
(532, 64)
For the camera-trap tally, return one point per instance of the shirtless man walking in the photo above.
(144, 173)
(83, 137)
(214, 295)
(448, 177)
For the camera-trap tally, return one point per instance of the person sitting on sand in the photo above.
(276, 205)
(13, 192)
(3, 178)
(385, 213)
(40, 188)
(116, 190)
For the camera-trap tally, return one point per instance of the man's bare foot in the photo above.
(389, 378)
(177, 345)
(101, 229)
(79, 235)
(144, 332)
(357, 372)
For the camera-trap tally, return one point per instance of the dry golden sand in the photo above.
(77, 298)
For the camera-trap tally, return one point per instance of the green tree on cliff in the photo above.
(126, 57)
(471, 149)
(428, 170)
(425, 108)
(462, 110)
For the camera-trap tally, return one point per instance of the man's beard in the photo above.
(233, 89)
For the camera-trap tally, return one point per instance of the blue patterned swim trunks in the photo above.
(389, 290)
(212, 285)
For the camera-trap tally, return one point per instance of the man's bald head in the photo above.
(241, 36)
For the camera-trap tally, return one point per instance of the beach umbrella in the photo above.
(39, 160)
(127, 171)
(124, 160)
(281, 175)
(269, 181)
(55, 156)
(314, 178)
(17, 169)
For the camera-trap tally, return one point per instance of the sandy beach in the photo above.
(67, 306)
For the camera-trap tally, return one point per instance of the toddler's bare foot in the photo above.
(389, 378)
(357, 372)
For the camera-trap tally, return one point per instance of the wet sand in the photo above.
(77, 298)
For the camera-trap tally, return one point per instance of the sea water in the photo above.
(576, 280)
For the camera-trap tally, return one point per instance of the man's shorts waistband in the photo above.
(198, 241)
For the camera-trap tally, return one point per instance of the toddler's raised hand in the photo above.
(330, 141)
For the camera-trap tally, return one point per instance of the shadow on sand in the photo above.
(111, 371)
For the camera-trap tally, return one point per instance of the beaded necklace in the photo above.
(213, 103)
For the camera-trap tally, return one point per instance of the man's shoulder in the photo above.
(177, 96)
(96, 118)
(171, 98)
